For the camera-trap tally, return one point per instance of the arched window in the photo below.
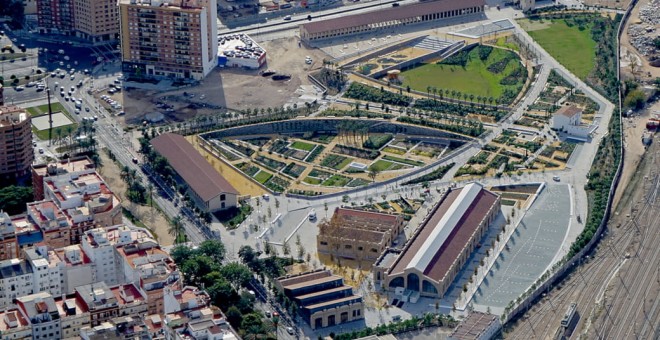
(396, 282)
(413, 282)
(428, 287)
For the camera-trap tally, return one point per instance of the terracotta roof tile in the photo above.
(191, 166)
(390, 14)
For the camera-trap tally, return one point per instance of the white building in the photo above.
(15, 280)
(100, 247)
(239, 50)
(79, 269)
(568, 119)
(40, 310)
(47, 270)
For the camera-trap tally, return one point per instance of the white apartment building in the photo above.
(100, 247)
(15, 280)
(40, 310)
(47, 270)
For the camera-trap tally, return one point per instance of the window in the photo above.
(324, 243)
(222, 197)
(348, 246)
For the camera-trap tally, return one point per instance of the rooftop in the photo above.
(390, 14)
(69, 165)
(191, 166)
(473, 326)
(169, 4)
(12, 319)
(444, 234)
(36, 304)
(13, 268)
(239, 46)
(568, 111)
(69, 305)
(127, 294)
(96, 296)
(10, 115)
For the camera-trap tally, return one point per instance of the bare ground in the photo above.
(236, 89)
(630, 56)
(151, 217)
(633, 129)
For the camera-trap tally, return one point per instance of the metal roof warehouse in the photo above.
(388, 18)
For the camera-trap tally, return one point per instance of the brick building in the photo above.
(16, 151)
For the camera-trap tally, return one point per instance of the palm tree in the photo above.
(123, 174)
(435, 92)
(428, 91)
(472, 97)
(490, 100)
(150, 191)
(176, 229)
(465, 96)
(453, 93)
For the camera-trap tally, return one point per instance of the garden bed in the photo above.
(336, 162)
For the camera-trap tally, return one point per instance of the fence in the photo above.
(569, 264)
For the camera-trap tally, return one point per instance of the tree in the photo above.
(181, 253)
(234, 317)
(237, 274)
(252, 325)
(222, 294)
(176, 229)
(373, 173)
(13, 199)
(286, 250)
(213, 249)
(635, 99)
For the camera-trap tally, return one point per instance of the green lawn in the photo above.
(404, 161)
(312, 180)
(571, 47)
(58, 132)
(501, 42)
(43, 109)
(262, 176)
(336, 181)
(302, 146)
(473, 79)
(381, 165)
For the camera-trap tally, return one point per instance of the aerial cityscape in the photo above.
(329, 169)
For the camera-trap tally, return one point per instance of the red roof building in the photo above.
(441, 246)
(207, 187)
(389, 18)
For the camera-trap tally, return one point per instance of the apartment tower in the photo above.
(168, 39)
(94, 20)
(16, 152)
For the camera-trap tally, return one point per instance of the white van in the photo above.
(312, 215)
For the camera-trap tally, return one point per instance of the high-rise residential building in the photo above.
(16, 152)
(96, 20)
(93, 20)
(168, 39)
(55, 16)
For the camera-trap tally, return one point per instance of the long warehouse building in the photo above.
(389, 18)
(442, 245)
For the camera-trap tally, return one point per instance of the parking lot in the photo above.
(530, 250)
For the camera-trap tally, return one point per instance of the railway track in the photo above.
(623, 318)
(589, 283)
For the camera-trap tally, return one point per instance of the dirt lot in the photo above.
(152, 218)
(630, 56)
(230, 88)
(633, 130)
